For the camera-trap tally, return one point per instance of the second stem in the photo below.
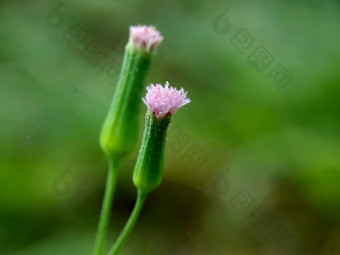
(141, 196)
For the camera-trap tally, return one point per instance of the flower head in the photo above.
(145, 36)
(119, 133)
(164, 100)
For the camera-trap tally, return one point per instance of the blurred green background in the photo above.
(252, 164)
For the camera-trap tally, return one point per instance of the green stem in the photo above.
(106, 207)
(141, 196)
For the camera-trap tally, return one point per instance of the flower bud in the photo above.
(120, 130)
(162, 103)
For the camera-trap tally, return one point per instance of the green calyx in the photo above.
(149, 166)
(120, 130)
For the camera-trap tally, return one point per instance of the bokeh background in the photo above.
(251, 166)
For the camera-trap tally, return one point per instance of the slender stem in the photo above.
(141, 196)
(106, 207)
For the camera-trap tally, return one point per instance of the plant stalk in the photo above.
(106, 206)
(141, 196)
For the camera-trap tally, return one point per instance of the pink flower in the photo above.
(164, 100)
(145, 36)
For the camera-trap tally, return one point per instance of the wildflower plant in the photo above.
(162, 103)
(120, 129)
